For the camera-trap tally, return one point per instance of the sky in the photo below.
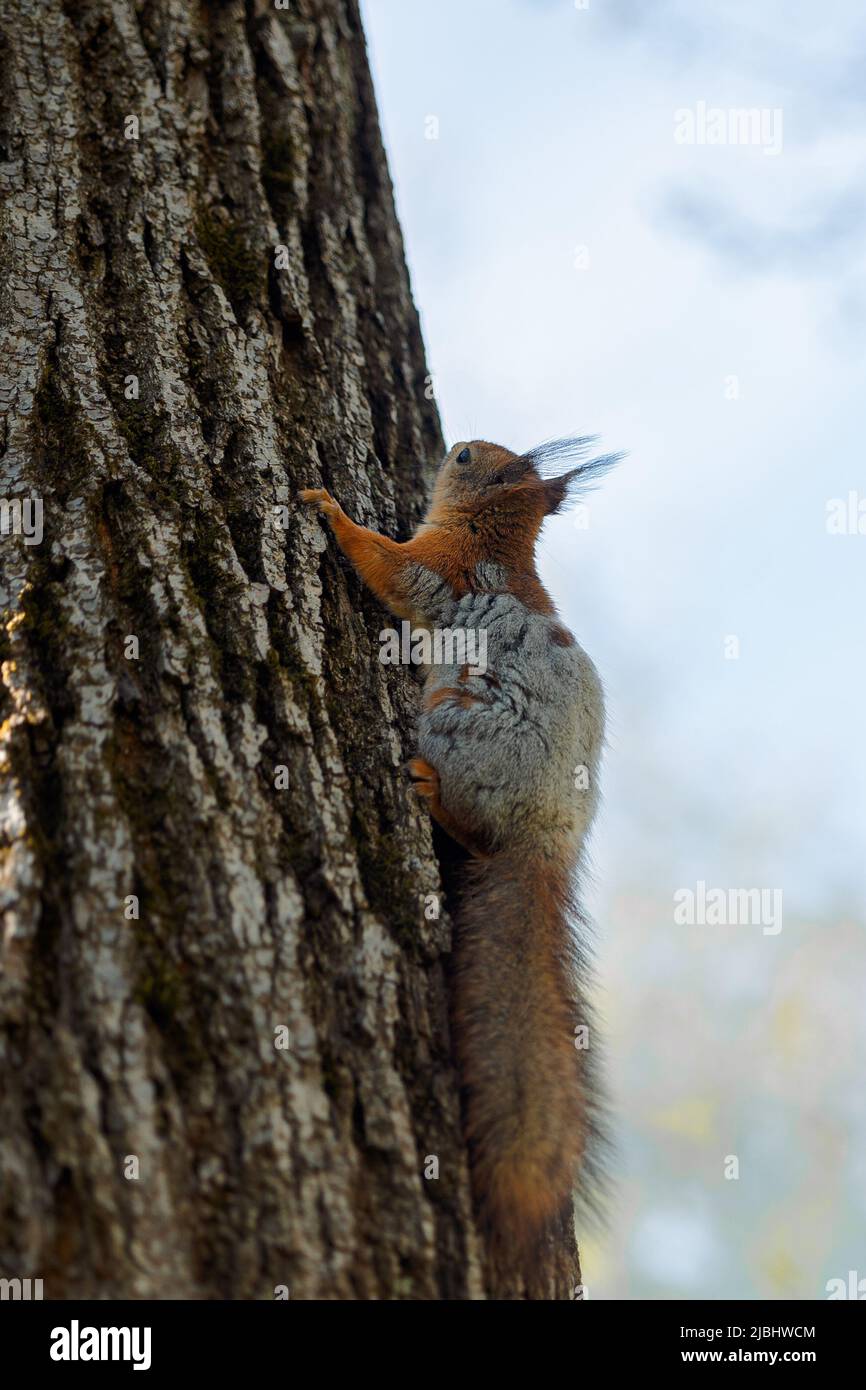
(595, 248)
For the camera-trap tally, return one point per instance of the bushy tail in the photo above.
(531, 1107)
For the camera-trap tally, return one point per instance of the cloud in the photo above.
(814, 241)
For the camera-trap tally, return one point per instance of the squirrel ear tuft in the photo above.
(556, 492)
(562, 488)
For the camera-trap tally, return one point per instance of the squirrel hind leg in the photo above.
(427, 786)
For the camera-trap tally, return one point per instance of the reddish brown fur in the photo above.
(525, 1109)
(513, 1025)
(464, 527)
(459, 533)
(451, 692)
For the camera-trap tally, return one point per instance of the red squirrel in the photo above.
(508, 758)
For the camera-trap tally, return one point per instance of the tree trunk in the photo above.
(223, 1003)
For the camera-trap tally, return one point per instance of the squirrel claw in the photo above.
(424, 776)
(320, 497)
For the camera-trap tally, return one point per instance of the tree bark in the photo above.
(231, 253)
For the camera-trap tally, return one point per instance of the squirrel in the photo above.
(508, 758)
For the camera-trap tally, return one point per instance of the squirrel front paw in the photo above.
(321, 498)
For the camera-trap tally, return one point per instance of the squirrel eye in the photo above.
(463, 456)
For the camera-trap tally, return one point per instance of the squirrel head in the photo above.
(478, 477)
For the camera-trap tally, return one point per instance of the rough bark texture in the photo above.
(155, 776)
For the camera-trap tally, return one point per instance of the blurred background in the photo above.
(586, 261)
